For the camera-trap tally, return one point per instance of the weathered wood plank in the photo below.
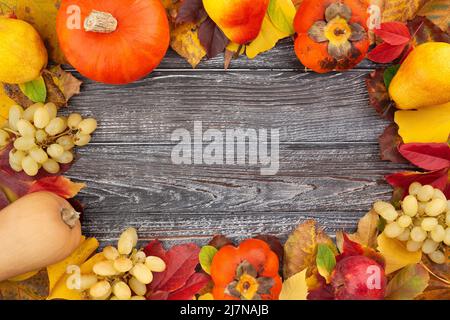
(126, 179)
(306, 107)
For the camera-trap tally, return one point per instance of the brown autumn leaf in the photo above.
(34, 288)
(439, 286)
(378, 94)
(367, 231)
(401, 10)
(212, 38)
(424, 30)
(301, 247)
(408, 283)
(42, 15)
(389, 142)
(438, 12)
(190, 11)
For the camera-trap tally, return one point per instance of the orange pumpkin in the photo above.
(331, 34)
(111, 41)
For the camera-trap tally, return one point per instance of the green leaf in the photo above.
(206, 256)
(35, 90)
(325, 260)
(389, 73)
(282, 13)
(408, 283)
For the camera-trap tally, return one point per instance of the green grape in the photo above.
(393, 230)
(438, 194)
(51, 166)
(410, 205)
(51, 109)
(425, 193)
(438, 233)
(15, 114)
(417, 234)
(414, 188)
(428, 224)
(25, 128)
(24, 143)
(437, 257)
(38, 155)
(55, 150)
(404, 221)
(28, 114)
(404, 236)
(413, 246)
(30, 166)
(66, 142)
(429, 246)
(65, 158)
(82, 139)
(386, 210)
(56, 126)
(41, 136)
(41, 118)
(4, 138)
(87, 126)
(74, 120)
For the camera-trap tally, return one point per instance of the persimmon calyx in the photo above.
(247, 285)
(337, 31)
(101, 22)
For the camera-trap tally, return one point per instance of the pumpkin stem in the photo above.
(101, 22)
(70, 216)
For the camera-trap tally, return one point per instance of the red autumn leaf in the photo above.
(385, 52)
(219, 241)
(212, 38)
(321, 291)
(389, 143)
(190, 11)
(428, 156)
(378, 94)
(59, 185)
(349, 248)
(194, 284)
(438, 179)
(394, 33)
(181, 262)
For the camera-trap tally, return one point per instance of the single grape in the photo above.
(24, 143)
(404, 236)
(417, 234)
(428, 224)
(393, 230)
(51, 166)
(30, 166)
(41, 118)
(110, 253)
(56, 126)
(425, 193)
(404, 221)
(25, 128)
(138, 287)
(156, 264)
(17, 156)
(410, 205)
(66, 142)
(438, 233)
(100, 291)
(41, 136)
(87, 126)
(121, 290)
(28, 113)
(55, 150)
(74, 120)
(386, 210)
(413, 246)
(81, 139)
(51, 109)
(87, 281)
(142, 273)
(123, 264)
(435, 207)
(429, 246)
(437, 257)
(438, 194)
(4, 138)
(14, 115)
(38, 155)
(65, 158)
(414, 188)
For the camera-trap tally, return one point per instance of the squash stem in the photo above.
(101, 22)
(70, 216)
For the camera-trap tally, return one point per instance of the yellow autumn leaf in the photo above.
(430, 124)
(395, 254)
(206, 296)
(266, 39)
(184, 40)
(295, 287)
(438, 12)
(41, 14)
(282, 13)
(401, 10)
(23, 277)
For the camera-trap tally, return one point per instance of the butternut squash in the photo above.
(36, 231)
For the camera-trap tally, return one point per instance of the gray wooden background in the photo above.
(330, 168)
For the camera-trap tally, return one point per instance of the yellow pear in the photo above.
(22, 52)
(423, 78)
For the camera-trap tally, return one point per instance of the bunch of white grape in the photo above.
(423, 221)
(125, 272)
(42, 139)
